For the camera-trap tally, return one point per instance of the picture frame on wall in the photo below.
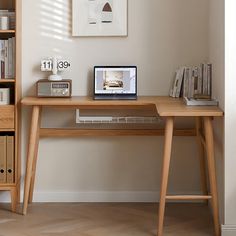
(99, 18)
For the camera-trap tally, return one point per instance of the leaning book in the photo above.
(200, 102)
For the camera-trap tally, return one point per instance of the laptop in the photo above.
(115, 82)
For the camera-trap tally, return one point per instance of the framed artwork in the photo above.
(99, 17)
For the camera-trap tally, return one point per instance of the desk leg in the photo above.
(212, 171)
(165, 171)
(35, 161)
(31, 154)
(13, 199)
(201, 156)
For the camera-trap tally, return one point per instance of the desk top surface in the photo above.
(166, 106)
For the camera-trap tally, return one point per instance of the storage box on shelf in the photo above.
(10, 114)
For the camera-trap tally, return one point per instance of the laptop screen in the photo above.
(115, 80)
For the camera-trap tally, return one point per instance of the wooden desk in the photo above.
(166, 107)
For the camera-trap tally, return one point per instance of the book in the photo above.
(199, 90)
(209, 79)
(191, 81)
(205, 79)
(13, 57)
(186, 83)
(3, 153)
(7, 58)
(2, 59)
(10, 58)
(180, 76)
(173, 88)
(10, 159)
(200, 102)
(171, 94)
(6, 76)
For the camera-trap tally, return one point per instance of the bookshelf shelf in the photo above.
(10, 114)
(7, 106)
(7, 31)
(7, 81)
(7, 130)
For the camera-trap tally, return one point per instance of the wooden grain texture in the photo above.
(18, 93)
(62, 133)
(14, 199)
(35, 160)
(165, 106)
(2, 81)
(7, 116)
(212, 171)
(31, 154)
(7, 4)
(201, 154)
(7, 31)
(10, 119)
(106, 219)
(188, 197)
(165, 171)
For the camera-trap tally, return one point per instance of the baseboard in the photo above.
(103, 196)
(99, 196)
(228, 230)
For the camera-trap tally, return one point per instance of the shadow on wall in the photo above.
(56, 23)
(55, 30)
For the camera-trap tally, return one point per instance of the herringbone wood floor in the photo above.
(113, 219)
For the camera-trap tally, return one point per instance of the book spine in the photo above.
(3, 159)
(175, 84)
(10, 58)
(13, 57)
(186, 82)
(173, 87)
(195, 80)
(199, 80)
(191, 83)
(205, 80)
(2, 58)
(10, 159)
(209, 79)
(6, 59)
(180, 81)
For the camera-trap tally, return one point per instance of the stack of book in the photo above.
(7, 55)
(194, 84)
(12, 18)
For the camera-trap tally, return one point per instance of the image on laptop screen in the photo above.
(115, 80)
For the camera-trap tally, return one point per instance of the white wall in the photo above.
(217, 58)
(229, 229)
(162, 36)
(223, 54)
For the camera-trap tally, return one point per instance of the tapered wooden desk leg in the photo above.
(35, 161)
(201, 157)
(13, 199)
(212, 171)
(165, 171)
(31, 154)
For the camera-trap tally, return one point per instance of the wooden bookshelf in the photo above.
(10, 114)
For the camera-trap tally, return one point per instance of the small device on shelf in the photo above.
(54, 65)
(47, 88)
(54, 86)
